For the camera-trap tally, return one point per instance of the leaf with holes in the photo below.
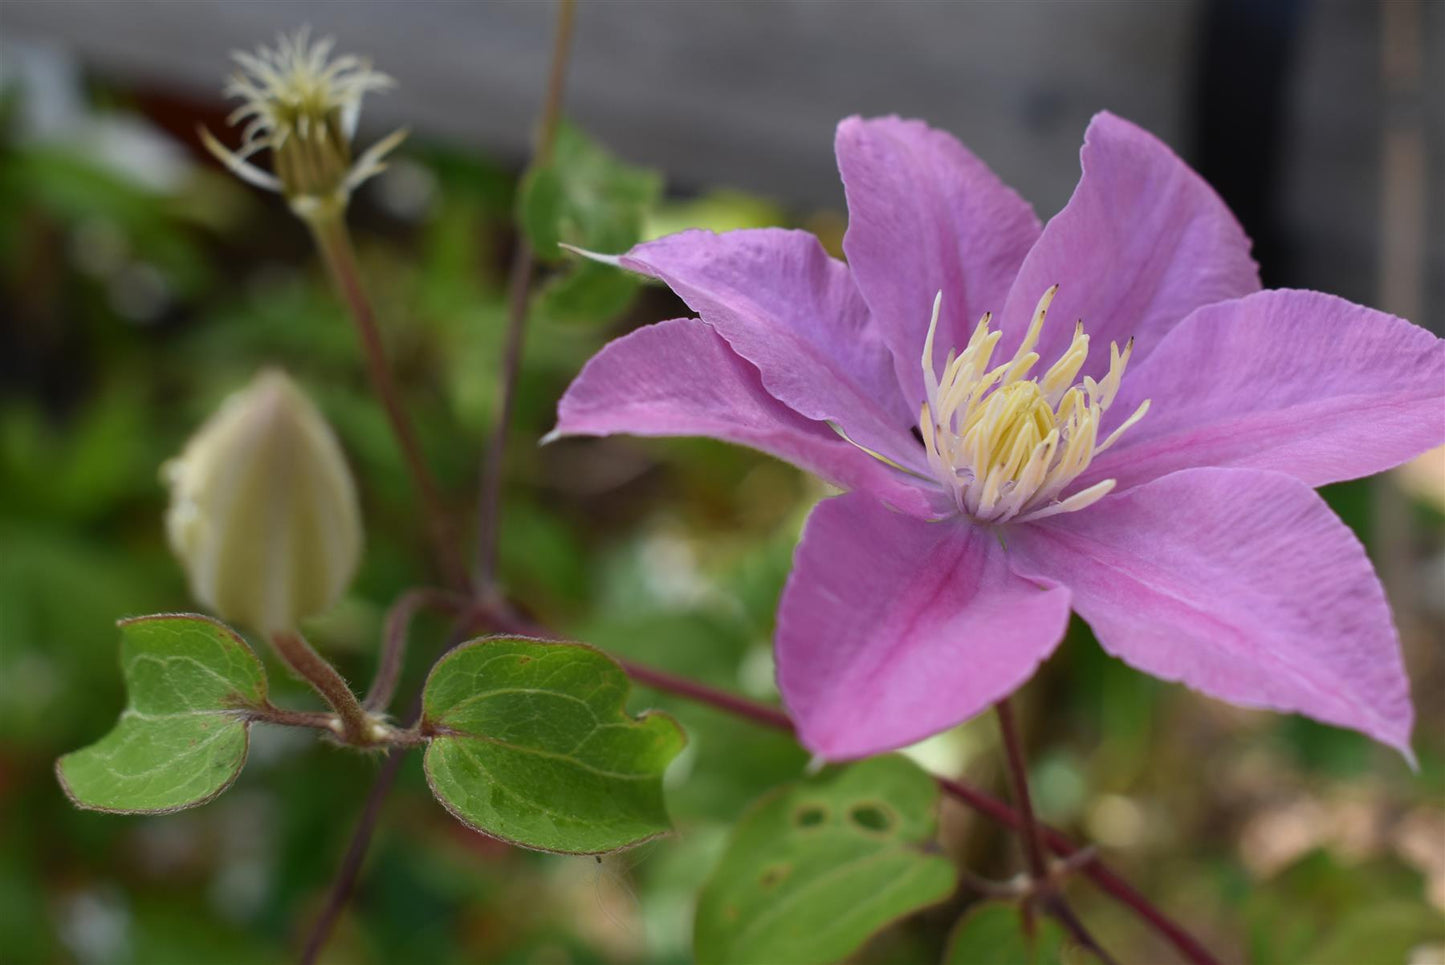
(992, 933)
(182, 737)
(529, 743)
(818, 866)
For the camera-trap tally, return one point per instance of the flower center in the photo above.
(1005, 445)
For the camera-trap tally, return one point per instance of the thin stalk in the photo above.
(347, 874)
(271, 714)
(519, 284)
(350, 870)
(333, 240)
(701, 693)
(1041, 883)
(317, 671)
(393, 648)
(986, 804)
(1019, 777)
(1094, 869)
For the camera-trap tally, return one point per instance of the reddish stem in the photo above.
(393, 648)
(519, 284)
(334, 242)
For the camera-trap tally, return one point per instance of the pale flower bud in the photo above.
(263, 512)
(301, 105)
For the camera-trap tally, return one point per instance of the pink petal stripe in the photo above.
(680, 378)
(891, 629)
(784, 305)
(1142, 243)
(925, 215)
(1239, 583)
(1295, 381)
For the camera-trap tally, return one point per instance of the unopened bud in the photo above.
(303, 106)
(263, 512)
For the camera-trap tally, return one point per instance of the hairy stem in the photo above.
(393, 648)
(317, 720)
(349, 871)
(333, 240)
(317, 671)
(519, 284)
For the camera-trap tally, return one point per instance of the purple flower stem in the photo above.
(333, 241)
(398, 622)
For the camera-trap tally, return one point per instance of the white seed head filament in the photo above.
(1006, 445)
(302, 105)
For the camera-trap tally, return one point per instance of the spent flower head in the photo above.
(302, 105)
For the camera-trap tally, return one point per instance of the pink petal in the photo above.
(1299, 382)
(1142, 243)
(784, 305)
(925, 215)
(1241, 584)
(680, 378)
(891, 629)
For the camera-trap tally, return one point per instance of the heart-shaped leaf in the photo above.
(992, 933)
(182, 737)
(818, 866)
(529, 743)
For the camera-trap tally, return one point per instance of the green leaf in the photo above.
(817, 867)
(530, 744)
(587, 198)
(992, 933)
(182, 737)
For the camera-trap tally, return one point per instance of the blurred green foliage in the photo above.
(129, 311)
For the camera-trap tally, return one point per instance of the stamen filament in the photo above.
(1004, 445)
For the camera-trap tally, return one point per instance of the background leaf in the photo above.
(588, 198)
(815, 869)
(536, 748)
(992, 933)
(180, 741)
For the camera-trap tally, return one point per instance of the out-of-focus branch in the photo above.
(519, 284)
(333, 240)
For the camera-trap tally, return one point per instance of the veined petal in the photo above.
(891, 629)
(784, 305)
(680, 378)
(1299, 382)
(1239, 583)
(925, 215)
(1142, 243)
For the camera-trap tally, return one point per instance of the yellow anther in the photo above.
(1004, 445)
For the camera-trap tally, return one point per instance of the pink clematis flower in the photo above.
(1133, 434)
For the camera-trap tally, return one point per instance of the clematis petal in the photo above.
(784, 305)
(925, 215)
(1239, 583)
(891, 629)
(1142, 243)
(1299, 382)
(680, 378)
